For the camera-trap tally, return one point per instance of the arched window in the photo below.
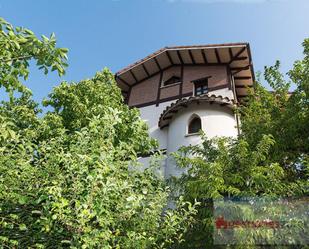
(194, 125)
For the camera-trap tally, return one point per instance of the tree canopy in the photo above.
(269, 158)
(70, 177)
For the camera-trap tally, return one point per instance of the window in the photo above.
(200, 86)
(172, 80)
(194, 125)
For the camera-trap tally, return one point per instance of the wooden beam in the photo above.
(191, 57)
(230, 81)
(146, 71)
(169, 57)
(158, 65)
(151, 75)
(239, 69)
(123, 81)
(134, 77)
(159, 89)
(200, 79)
(128, 96)
(218, 87)
(231, 54)
(204, 64)
(241, 58)
(217, 55)
(179, 57)
(204, 56)
(237, 54)
(243, 86)
(161, 100)
(242, 77)
(181, 85)
(185, 64)
(250, 61)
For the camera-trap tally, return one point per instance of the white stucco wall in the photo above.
(151, 115)
(225, 92)
(216, 121)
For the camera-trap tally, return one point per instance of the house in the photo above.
(180, 90)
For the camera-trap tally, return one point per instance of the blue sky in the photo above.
(114, 33)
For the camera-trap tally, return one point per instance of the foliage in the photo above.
(282, 114)
(269, 158)
(18, 46)
(78, 103)
(70, 178)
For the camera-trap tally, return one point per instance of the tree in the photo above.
(282, 114)
(269, 158)
(18, 46)
(70, 178)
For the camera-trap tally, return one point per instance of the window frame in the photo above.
(201, 86)
(192, 118)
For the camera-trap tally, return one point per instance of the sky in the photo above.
(115, 33)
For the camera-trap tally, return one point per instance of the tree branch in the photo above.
(16, 58)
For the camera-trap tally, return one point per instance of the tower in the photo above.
(180, 90)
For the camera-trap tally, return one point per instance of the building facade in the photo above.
(180, 90)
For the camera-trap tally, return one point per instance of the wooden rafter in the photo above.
(181, 85)
(151, 75)
(250, 61)
(217, 55)
(242, 95)
(243, 86)
(157, 63)
(239, 69)
(185, 64)
(145, 69)
(204, 56)
(231, 54)
(241, 58)
(134, 77)
(123, 81)
(159, 89)
(169, 57)
(237, 54)
(191, 57)
(242, 77)
(179, 57)
(127, 97)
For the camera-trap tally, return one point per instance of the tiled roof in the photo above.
(173, 108)
(235, 56)
(162, 50)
